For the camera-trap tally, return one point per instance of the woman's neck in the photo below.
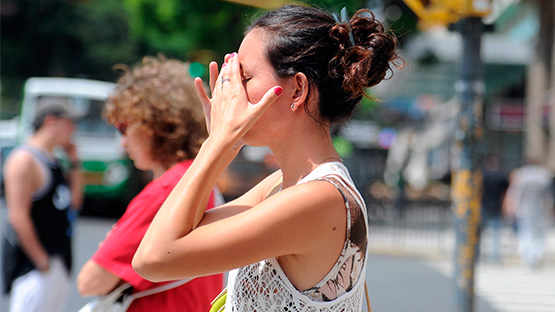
(303, 153)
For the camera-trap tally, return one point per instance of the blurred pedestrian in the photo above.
(298, 239)
(39, 197)
(495, 183)
(159, 116)
(530, 202)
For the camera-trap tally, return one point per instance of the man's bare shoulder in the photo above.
(20, 163)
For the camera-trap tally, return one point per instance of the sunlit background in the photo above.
(399, 146)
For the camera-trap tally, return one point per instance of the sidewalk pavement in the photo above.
(505, 286)
(439, 242)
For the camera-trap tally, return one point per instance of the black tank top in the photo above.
(50, 218)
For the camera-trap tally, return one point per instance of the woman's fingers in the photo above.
(201, 93)
(215, 86)
(213, 71)
(231, 73)
(215, 77)
(228, 110)
(268, 99)
(205, 100)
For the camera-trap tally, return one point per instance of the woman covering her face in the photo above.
(297, 241)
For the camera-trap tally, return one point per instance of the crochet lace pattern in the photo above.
(264, 286)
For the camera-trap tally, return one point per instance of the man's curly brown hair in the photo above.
(159, 93)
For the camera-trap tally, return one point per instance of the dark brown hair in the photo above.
(309, 40)
(159, 93)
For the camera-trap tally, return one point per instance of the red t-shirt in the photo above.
(116, 251)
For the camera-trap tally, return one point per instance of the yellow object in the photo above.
(218, 304)
(444, 12)
(466, 8)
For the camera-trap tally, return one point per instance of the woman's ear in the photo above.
(300, 95)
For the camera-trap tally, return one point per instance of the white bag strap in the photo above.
(159, 289)
(109, 302)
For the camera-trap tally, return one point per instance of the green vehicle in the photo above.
(109, 176)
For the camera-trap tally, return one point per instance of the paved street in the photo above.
(88, 233)
(398, 281)
(507, 286)
(406, 284)
(512, 287)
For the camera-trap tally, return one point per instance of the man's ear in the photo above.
(49, 118)
(300, 96)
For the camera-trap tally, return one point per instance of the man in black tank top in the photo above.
(37, 242)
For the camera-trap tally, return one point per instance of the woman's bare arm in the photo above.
(231, 116)
(292, 222)
(94, 280)
(185, 241)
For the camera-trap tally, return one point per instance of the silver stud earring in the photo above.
(292, 106)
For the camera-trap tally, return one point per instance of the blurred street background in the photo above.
(408, 270)
(401, 148)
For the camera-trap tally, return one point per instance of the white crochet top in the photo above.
(264, 286)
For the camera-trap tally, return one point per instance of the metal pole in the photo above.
(467, 179)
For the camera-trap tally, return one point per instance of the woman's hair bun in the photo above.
(368, 62)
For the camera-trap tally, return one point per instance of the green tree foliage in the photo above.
(85, 38)
(103, 29)
(196, 30)
(60, 38)
(182, 28)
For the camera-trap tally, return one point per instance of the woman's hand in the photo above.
(204, 99)
(229, 114)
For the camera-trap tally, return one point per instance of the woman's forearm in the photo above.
(94, 280)
(183, 209)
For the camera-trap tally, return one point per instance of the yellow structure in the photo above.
(445, 12)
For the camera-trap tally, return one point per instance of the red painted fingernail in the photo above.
(224, 65)
(278, 90)
(233, 54)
